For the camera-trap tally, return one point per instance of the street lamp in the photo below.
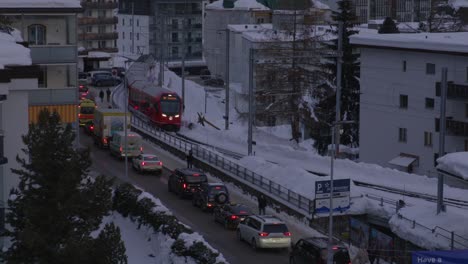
(334, 127)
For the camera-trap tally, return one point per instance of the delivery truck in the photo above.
(107, 122)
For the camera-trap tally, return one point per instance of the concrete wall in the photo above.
(382, 82)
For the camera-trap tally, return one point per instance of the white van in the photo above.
(134, 144)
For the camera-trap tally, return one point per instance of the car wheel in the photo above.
(239, 235)
(253, 244)
(221, 198)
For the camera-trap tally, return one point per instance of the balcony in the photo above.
(46, 96)
(97, 20)
(99, 5)
(454, 91)
(3, 159)
(108, 50)
(98, 36)
(53, 54)
(453, 127)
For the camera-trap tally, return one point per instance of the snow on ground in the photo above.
(287, 163)
(12, 53)
(455, 163)
(40, 3)
(238, 5)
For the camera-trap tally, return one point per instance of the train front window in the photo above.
(87, 110)
(170, 107)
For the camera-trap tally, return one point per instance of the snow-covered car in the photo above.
(147, 163)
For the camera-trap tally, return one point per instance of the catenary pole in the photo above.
(133, 28)
(338, 85)
(125, 119)
(249, 140)
(184, 45)
(330, 216)
(443, 99)
(226, 81)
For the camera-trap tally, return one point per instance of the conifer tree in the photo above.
(56, 205)
(350, 91)
(388, 26)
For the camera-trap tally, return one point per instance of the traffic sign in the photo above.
(341, 192)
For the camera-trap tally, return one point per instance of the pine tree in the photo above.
(110, 246)
(350, 91)
(388, 26)
(56, 206)
(5, 24)
(443, 18)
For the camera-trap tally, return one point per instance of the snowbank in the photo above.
(12, 53)
(455, 163)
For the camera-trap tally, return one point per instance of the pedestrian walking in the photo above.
(262, 203)
(101, 95)
(189, 159)
(108, 93)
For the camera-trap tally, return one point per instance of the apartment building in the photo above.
(97, 33)
(400, 98)
(133, 28)
(400, 10)
(49, 29)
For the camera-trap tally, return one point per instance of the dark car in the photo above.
(210, 195)
(185, 182)
(231, 214)
(217, 82)
(83, 89)
(205, 74)
(118, 71)
(104, 80)
(315, 250)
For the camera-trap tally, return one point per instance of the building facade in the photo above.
(400, 98)
(400, 10)
(133, 37)
(97, 35)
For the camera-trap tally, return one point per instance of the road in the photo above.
(223, 240)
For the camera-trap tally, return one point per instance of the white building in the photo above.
(400, 102)
(15, 83)
(133, 34)
(216, 20)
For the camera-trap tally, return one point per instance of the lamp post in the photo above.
(334, 127)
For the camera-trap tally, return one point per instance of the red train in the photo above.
(162, 106)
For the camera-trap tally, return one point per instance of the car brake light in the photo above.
(335, 248)
(160, 163)
(218, 188)
(79, 115)
(104, 140)
(287, 233)
(195, 174)
(142, 163)
(209, 205)
(91, 128)
(263, 234)
(141, 149)
(184, 186)
(164, 115)
(233, 217)
(81, 86)
(120, 149)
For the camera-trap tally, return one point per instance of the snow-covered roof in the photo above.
(270, 35)
(249, 27)
(238, 5)
(40, 4)
(455, 163)
(319, 5)
(12, 53)
(442, 42)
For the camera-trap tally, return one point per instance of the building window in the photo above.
(89, 13)
(131, 22)
(138, 22)
(138, 36)
(123, 34)
(37, 34)
(101, 29)
(404, 66)
(123, 21)
(175, 37)
(403, 101)
(429, 103)
(101, 13)
(102, 44)
(436, 156)
(466, 110)
(175, 24)
(260, 20)
(402, 134)
(428, 139)
(123, 48)
(466, 144)
(42, 80)
(175, 51)
(430, 68)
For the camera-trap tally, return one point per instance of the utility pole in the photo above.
(338, 85)
(161, 50)
(443, 99)
(133, 28)
(330, 216)
(125, 120)
(184, 38)
(251, 95)
(226, 82)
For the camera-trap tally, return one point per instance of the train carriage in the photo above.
(162, 106)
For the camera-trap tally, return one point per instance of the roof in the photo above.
(403, 161)
(454, 163)
(453, 42)
(190, 170)
(321, 242)
(216, 184)
(11, 53)
(269, 219)
(269, 35)
(130, 134)
(20, 6)
(238, 5)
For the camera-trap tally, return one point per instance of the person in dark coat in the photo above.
(262, 203)
(108, 93)
(189, 159)
(101, 95)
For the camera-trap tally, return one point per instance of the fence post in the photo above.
(289, 194)
(245, 173)
(414, 224)
(452, 238)
(381, 201)
(269, 187)
(237, 169)
(299, 204)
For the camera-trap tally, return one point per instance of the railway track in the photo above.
(449, 201)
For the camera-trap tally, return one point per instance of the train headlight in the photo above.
(164, 115)
(176, 116)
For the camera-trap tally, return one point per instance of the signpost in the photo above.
(341, 191)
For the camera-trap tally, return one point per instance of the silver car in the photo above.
(147, 163)
(264, 231)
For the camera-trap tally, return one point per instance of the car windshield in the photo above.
(103, 76)
(275, 228)
(195, 179)
(82, 75)
(87, 110)
(217, 189)
(150, 158)
(240, 210)
(170, 106)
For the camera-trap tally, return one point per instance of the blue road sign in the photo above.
(339, 186)
(440, 257)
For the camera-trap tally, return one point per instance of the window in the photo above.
(260, 20)
(466, 110)
(131, 22)
(138, 36)
(466, 144)
(101, 13)
(89, 29)
(123, 35)
(37, 34)
(428, 139)
(89, 13)
(175, 51)
(42, 80)
(123, 21)
(403, 101)
(102, 44)
(138, 22)
(430, 68)
(101, 29)
(402, 134)
(404, 66)
(175, 37)
(436, 156)
(429, 103)
(123, 48)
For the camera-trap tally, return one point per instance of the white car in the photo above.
(264, 231)
(147, 163)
